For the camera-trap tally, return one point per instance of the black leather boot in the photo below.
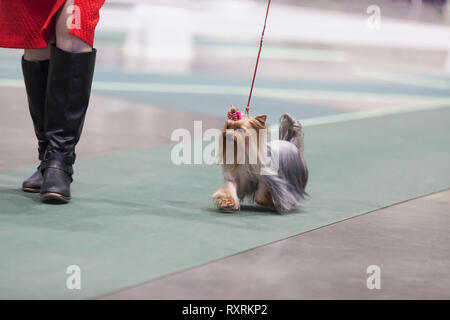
(35, 74)
(68, 91)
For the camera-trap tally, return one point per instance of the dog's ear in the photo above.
(260, 121)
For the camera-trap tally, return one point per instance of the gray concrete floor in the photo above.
(410, 242)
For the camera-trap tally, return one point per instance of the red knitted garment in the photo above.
(28, 24)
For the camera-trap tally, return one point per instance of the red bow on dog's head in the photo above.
(233, 114)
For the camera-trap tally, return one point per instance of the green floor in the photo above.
(136, 217)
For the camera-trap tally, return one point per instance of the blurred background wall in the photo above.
(304, 39)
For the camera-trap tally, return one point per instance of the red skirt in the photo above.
(28, 24)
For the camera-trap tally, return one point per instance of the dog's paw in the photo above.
(265, 199)
(225, 202)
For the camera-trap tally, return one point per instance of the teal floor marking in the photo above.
(135, 216)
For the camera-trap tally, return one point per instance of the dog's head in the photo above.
(244, 138)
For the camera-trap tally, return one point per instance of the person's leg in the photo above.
(64, 39)
(35, 63)
(71, 71)
(37, 54)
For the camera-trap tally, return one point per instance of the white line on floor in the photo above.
(358, 115)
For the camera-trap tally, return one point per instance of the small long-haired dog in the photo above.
(272, 174)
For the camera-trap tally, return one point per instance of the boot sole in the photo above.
(52, 197)
(31, 190)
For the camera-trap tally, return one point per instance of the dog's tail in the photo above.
(291, 130)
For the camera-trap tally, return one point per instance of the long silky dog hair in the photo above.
(277, 179)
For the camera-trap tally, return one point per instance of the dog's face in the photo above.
(243, 138)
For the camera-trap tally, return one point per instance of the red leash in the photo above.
(257, 60)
